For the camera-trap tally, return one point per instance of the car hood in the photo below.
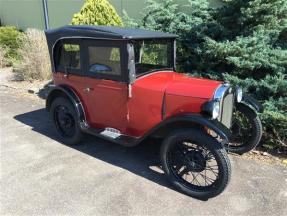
(174, 83)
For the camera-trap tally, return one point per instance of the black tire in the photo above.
(201, 140)
(245, 139)
(72, 134)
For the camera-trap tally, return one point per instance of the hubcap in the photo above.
(64, 120)
(195, 161)
(195, 166)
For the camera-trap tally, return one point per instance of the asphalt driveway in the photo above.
(41, 176)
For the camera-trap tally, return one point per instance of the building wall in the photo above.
(22, 13)
(29, 13)
(62, 11)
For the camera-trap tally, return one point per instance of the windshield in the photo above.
(153, 55)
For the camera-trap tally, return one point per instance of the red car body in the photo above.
(121, 85)
(123, 81)
(107, 103)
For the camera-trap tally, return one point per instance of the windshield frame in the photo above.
(171, 55)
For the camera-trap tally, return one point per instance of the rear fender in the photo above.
(66, 91)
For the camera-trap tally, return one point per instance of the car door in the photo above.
(106, 90)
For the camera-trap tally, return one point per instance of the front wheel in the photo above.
(195, 163)
(246, 130)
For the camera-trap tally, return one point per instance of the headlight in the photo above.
(211, 108)
(215, 111)
(239, 94)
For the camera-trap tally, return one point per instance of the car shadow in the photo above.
(142, 160)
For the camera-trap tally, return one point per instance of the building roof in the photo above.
(104, 32)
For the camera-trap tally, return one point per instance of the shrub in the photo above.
(275, 127)
(3, 60)
(34, 61)
(97, 12)
(243, 42)
(9, 40)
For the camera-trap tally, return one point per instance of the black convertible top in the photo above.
(103, 32)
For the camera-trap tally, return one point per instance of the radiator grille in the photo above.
(227, 110)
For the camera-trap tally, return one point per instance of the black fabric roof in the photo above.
(103, 32)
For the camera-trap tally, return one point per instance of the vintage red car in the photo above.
(120, 84)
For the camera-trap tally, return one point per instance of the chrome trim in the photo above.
(219, 95)
(220, 91)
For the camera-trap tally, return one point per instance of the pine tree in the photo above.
(243, 42)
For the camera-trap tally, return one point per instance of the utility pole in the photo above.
(46, 14)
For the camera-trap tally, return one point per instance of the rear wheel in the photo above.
(195, 163)
(65, 120)
(246, 130)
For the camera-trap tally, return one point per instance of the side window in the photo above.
(104, 60)
(69, 57)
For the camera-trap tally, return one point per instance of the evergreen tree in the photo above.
(97, 12)
(243, 42)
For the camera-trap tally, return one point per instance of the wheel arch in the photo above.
(68, 92)
(189, 121)
(252, 103)
(247, 106)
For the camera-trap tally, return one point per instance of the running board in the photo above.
(121, 139)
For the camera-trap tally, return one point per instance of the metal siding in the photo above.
(117, 4)
(29, 13)
(23, 14)
(62, 11)
(134, 8)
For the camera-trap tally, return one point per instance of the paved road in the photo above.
(41, 176)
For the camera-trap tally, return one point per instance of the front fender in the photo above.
(252, 103)
(191, 120)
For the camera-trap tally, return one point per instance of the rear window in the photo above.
(69, 57)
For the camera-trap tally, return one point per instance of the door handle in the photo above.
(88, 89)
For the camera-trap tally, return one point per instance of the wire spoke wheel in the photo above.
(194, 165)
